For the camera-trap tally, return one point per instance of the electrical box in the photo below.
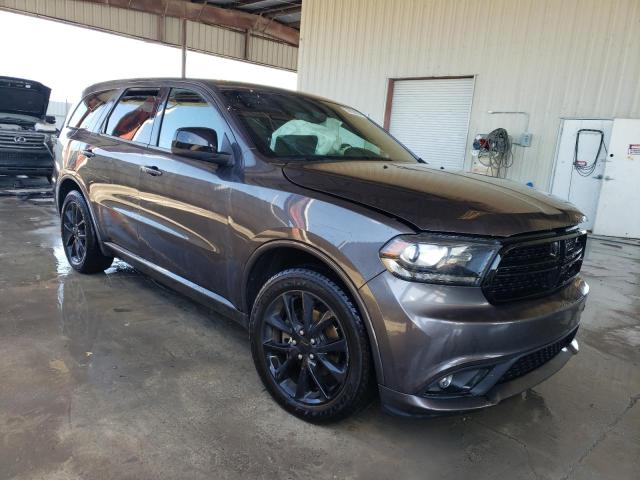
(525, 139)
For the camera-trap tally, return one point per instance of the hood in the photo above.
(23, 97)
(438, 201)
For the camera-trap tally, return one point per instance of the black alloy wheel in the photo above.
(305, 347)
(74, 233)
(310, 346)
(79, 239)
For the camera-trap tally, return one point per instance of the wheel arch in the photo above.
(261, 267)
(63, 187)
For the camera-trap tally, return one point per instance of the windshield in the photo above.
(290, 126)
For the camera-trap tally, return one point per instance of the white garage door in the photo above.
(431, 117)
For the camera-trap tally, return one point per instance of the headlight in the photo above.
(439, 259)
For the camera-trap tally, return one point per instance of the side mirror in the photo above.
(50, 119)
(200, 144)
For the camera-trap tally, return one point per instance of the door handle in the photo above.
(87, 152)
(153, 171)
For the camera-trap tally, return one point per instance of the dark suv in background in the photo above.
(352, 263)
(27, 134)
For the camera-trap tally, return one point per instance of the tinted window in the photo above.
(90, 109)
(132, 117)
(186, 108)
(288, 125)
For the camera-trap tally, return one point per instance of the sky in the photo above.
(67, 58)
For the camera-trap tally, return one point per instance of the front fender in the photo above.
(344, 237)
(337, 270)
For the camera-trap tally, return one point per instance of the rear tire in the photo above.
(310, 346)
(79, 239)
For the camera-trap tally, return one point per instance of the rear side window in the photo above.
(90, 109)
(132, 118)
(186, 108)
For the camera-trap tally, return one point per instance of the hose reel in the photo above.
(494, 152)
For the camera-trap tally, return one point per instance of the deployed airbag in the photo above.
(327, 133)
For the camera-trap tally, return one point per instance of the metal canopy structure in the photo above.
(263, 32)
(287, 12)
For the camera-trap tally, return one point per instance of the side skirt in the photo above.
(206, 297)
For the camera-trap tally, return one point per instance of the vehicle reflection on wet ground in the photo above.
(115, 376)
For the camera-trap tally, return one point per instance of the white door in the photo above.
(568, 184)
(619, 207)
(431, 117)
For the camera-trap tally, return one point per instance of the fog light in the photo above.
(444, 382)
(460, 382)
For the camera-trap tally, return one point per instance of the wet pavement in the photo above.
(114, 376)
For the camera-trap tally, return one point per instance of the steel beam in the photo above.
(210, 15)
(274, 12)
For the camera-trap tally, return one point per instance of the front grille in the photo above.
(26, 141)
(25, 158)
(535, 268)
(536, 359)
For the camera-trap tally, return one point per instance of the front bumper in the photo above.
(403, 404)
(16, 162)
(424, 332)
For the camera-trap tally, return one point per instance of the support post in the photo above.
(184, 48)
(247, 44)
(161, 25)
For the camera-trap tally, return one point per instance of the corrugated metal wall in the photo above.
(204, 38)
(550, 58)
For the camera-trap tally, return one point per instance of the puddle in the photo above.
(627, 335)
(62, 264)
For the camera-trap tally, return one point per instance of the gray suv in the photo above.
(354, 265)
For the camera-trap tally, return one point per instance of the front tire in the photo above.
(79, 239)
(310, 346)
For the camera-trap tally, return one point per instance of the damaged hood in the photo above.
(23, 97)
(438, 201)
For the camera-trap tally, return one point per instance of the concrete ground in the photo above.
(114, 376)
